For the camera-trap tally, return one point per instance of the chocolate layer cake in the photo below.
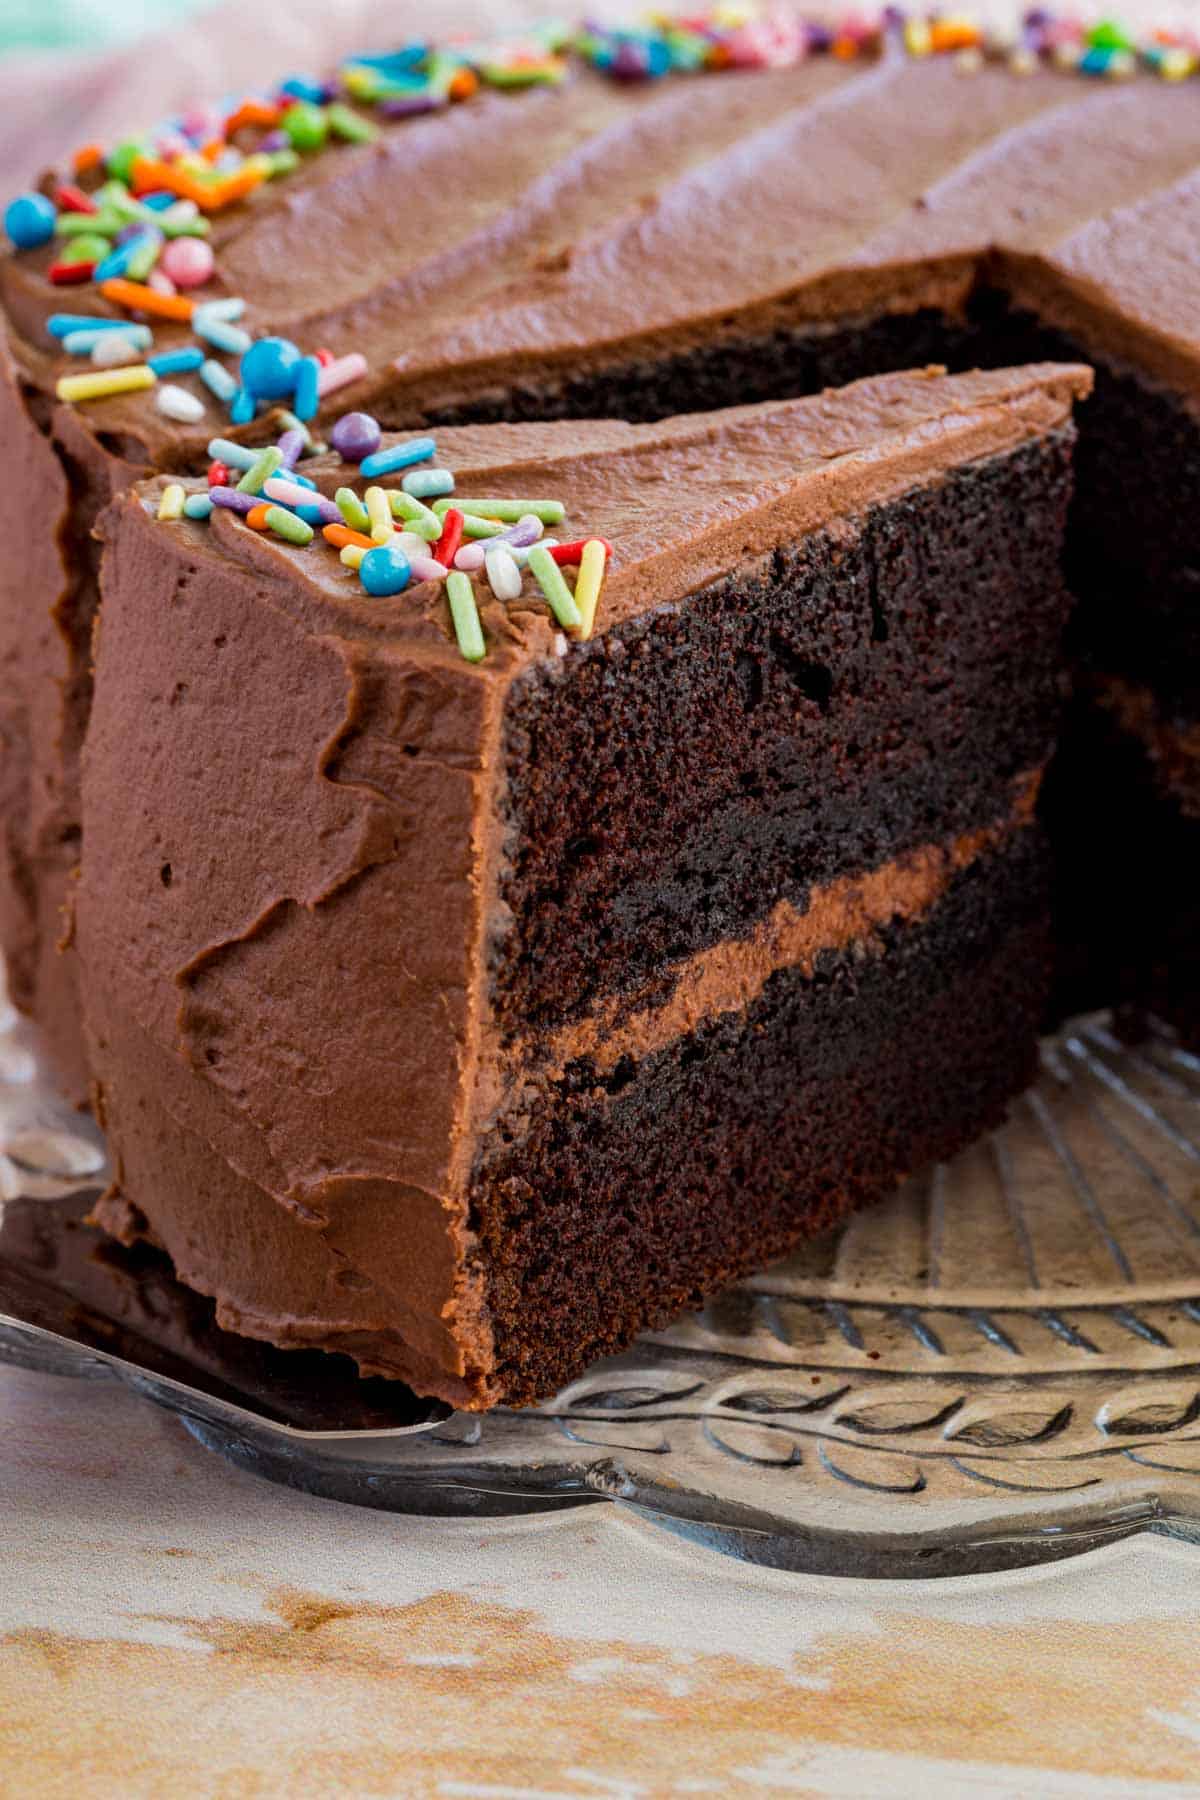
(638, 250)
(472, 1016)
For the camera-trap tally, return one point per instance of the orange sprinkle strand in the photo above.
(252, 112)
(88, 156)
(148, 176)
(139, 298)
(256, 518)
(341, 535)
(953, 34)
(235, 187)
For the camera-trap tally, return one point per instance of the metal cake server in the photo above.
(74, 1303)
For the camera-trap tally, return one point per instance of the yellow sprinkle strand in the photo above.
(170, 506)
(106, 381)
(465, 615)
(379, 513)
(588, 584)
(352, 555)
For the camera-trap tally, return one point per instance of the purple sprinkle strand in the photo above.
(230, 497)
(291, 448)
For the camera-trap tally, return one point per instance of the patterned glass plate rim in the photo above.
(1000, 1366)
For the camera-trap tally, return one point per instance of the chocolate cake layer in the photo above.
(630, 1193)
(821, 710)
(296, 926)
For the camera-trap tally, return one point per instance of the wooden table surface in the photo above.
(169, 1625)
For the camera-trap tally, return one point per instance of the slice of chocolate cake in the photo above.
(470, 1016)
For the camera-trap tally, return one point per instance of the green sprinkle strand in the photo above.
(352, 510)
(286, 525)
(260, 470)
(418, 518)
(550, 512)
(348, 125)
(549, 578)
(465, 615)
(476, 527)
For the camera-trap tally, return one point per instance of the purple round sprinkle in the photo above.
(629, 64)
(274, 140)
(291, 448)
(355, 435)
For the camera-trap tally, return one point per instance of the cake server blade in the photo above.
(74, 1302)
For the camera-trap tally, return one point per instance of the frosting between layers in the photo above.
(847, 913)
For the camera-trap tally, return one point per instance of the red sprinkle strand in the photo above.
(73, 199)
(71, 274)
(446, 548)
(571, 553)
(218, 475)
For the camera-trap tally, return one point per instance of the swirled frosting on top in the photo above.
(531, 237)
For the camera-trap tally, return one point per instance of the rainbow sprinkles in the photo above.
(142, 209)
(390, 538)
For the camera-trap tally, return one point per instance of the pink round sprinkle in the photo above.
(188, 262)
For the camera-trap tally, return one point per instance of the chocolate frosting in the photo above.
(623, 222)
(283, 920)
(683, 501)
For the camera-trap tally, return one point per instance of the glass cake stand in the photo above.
(1000, 1366)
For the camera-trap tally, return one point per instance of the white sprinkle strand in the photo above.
(114, 351)
(410, 544)
(425, 568)
(177, 403)
(504, 577)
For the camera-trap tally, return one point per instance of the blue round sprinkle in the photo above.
(30, 220)
(270, 367)
(384, 570)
